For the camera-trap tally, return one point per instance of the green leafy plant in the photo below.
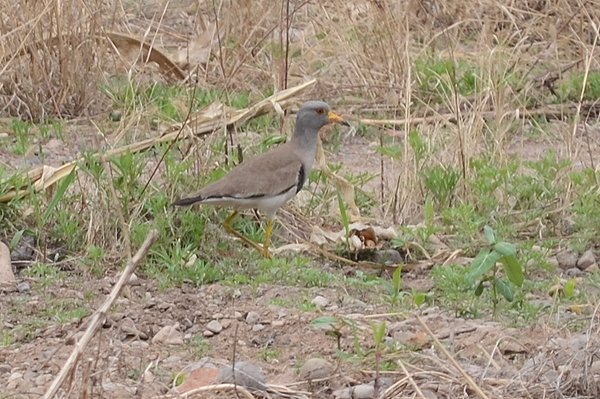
(484, 268)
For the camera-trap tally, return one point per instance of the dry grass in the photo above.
(374, 60)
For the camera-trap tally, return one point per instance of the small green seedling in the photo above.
(484, 268)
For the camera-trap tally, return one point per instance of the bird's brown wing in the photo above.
(266, 175)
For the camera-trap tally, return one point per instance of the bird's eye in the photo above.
(320, 111)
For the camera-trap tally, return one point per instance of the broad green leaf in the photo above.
(60, 192)
(378, 333)
(324, 322)
(504, 289)
(490, 236)
(569, 288)
(419, 298)
(482, 263)
(506, 248)
(513, 270)
(479, 289)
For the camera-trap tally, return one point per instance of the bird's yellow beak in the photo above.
(335, 118)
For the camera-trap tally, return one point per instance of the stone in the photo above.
(258, 327)
(214, 326)
(252, 317)
(586, 260)
(315, 368)
(23, 287)
(134, 280)
(243, 373)
(566, 259)
(7, 276)
(573, 272)
(592, 268)
(168, 335)
(278, 323)
(387, 257)
(208, 333)
(226, 324)
(320, 301)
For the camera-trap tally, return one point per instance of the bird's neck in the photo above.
(305, 146)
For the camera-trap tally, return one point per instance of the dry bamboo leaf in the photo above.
(136, 49)
(204, 121)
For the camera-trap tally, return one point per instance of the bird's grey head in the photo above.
(314, 115)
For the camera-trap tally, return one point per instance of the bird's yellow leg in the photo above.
(267, 240)
(229, 228)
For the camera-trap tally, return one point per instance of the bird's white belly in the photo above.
(268, 205)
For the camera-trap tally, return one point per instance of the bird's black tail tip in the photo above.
(186, 201)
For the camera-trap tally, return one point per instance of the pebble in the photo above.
(258, 327)
(252, 317)
(218, 316)
(7, 277)
(315, 368)
(278, 323)
(214, 326)
(168, 335)
(387, 257)
(208, 333)
(586, 260)
(23, 287)
(573, 272)
(592, 268)
(226, 323)
(246, 374)
(320, 302)
(566, 259)
(5, 368)
(134, 280)
(238, 316)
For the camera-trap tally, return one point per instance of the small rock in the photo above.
(573, 272)
(278, 323)
(23, 287)
(5, 368)
(552, 261)
(586, 260)
(226, 323)
(258, 327)
(133, 280)
(252, 317)
(168, 335)
(25, 249)
(315, 369)
(592, 268)
(15, 376)
(566, 259)
(363, 391)
(208, 333)
(320, 301)
(387, 257)
(218, 316)
(238, 316)
(115, 115)
(198, 377)
(7, 277)
(244, 373)
(42, 380)
(214, 326)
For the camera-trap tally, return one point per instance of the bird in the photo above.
(269, 180)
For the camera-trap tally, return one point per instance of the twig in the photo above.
(98, 317)
(411, 379)
(457, 366)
